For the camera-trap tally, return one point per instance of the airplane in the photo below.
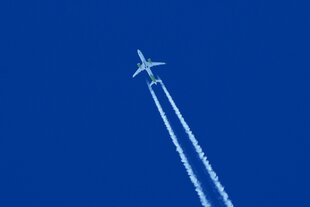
(146, 65)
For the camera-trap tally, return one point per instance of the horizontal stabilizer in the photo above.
(152, 83)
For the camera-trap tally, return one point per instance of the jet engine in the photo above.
(149, 60)
(138, 64)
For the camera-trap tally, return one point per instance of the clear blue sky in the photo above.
(77, 130)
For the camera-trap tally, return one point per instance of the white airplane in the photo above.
(146, 65)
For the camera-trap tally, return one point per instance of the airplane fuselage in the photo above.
(146, 65)
(149, 72)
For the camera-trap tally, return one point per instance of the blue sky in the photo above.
(77, 130)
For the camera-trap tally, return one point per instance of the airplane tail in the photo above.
(155, 81)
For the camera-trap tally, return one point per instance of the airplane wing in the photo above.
(137, 72)
(156, 63)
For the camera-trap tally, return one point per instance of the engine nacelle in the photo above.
(149, 60)
(138, 64)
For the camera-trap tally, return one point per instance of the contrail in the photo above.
(198, 149)
(179, 149)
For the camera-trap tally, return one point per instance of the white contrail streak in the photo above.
(179, 149)
(198, 149)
